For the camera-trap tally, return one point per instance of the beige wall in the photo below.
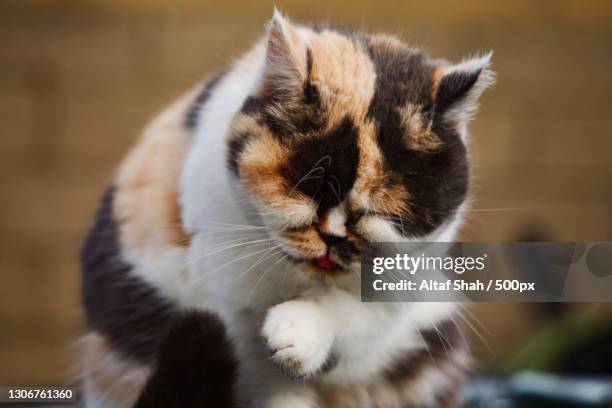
(80, 78)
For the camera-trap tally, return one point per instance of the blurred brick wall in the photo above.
(79, 79)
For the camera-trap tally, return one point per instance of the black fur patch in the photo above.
(234, 149)
(325, 167)
(252, 104)
(192, 118)
(196, 366)
(311, 92)
(345, 249)
(330, 363)
(129, 312)
(402, 76)
(437, 181)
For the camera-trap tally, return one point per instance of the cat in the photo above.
(252, 196)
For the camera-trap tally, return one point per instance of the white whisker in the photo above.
(266, 250)
(257, 241)
(261, 259)
(263, 275)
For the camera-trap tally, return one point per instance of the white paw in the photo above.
(298, 336)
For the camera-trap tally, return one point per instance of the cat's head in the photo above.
(351, 138)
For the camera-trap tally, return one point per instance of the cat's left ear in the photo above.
(285, 68)
(458, 87)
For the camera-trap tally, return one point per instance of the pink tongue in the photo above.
(325, 262)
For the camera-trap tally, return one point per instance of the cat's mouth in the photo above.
(328, 265)
(325, 262)
(324, 267)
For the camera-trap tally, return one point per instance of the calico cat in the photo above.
(252, 196)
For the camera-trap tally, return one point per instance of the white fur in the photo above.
(292, 396)
(163, 268)
(95, 398)
(336, 221)
(298, 331)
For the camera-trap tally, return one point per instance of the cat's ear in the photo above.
(458, 87)
(285, 67)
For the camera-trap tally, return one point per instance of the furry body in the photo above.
(305, 147)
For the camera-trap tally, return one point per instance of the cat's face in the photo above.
(353, 138)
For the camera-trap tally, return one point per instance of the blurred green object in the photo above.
(558, 345)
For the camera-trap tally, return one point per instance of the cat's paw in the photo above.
(298, 336)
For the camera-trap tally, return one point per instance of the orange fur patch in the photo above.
(307, 242)
(387, 41)
(418, 134)
(436, 78)
(344, 75)
(393, 201)
(146, 200)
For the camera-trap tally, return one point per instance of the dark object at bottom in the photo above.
(196, 366)
(534, 390)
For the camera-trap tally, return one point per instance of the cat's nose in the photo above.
(340, 246)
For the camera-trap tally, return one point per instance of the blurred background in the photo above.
(80, 78)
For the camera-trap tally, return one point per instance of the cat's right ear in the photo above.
(285, 68)
(458, 87)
